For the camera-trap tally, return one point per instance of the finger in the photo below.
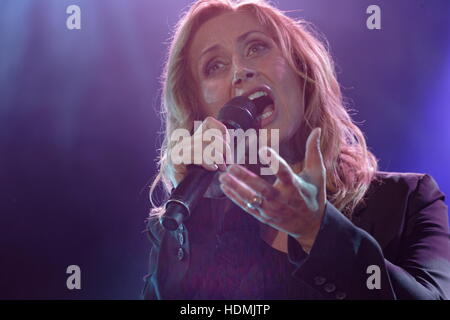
(237, 199)
(212, 139)
(237, 186)
(277, 164)
(228, 157)
(217, 159)
(253, 181)
(314, 165)
(208, 151)
(210, 167)
(246, 195)
(213, 123)
(189, 157)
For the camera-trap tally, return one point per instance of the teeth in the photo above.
(267, 114)
(257, 94)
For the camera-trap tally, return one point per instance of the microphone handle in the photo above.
(186, 195)
(238, 113)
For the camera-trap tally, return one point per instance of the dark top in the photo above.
(241, 264)
(400, 230)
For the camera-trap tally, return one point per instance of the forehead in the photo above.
(224, 30)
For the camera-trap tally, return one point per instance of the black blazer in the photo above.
(401, 228)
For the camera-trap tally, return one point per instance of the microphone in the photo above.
(238, 113)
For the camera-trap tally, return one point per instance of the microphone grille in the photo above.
(239, 113)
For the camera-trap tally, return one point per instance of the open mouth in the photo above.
(265, 105)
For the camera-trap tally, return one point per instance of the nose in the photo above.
(242, 75)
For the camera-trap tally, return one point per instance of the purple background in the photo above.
(79, 130)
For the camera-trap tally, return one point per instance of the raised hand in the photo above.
(294, 204)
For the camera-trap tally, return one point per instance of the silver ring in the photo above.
(256, 202)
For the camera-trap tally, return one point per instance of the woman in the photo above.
(327, 225)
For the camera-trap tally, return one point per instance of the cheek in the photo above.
(281, 71)
(290, 86)
(291, 96)
(287, 79)
(212, 97)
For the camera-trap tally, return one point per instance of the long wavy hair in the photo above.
(350, 166)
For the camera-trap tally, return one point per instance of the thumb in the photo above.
(314, 165)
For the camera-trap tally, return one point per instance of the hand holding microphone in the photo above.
(194, 145)
(193, 181)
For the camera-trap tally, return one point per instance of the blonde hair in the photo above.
(350, 166)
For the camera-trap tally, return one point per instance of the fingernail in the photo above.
(233, 169)
(223, 177)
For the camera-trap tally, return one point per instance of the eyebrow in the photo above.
(241, 38)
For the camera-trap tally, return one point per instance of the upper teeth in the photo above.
(257, 94)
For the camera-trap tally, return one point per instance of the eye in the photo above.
(213, 67)
(256, 48)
